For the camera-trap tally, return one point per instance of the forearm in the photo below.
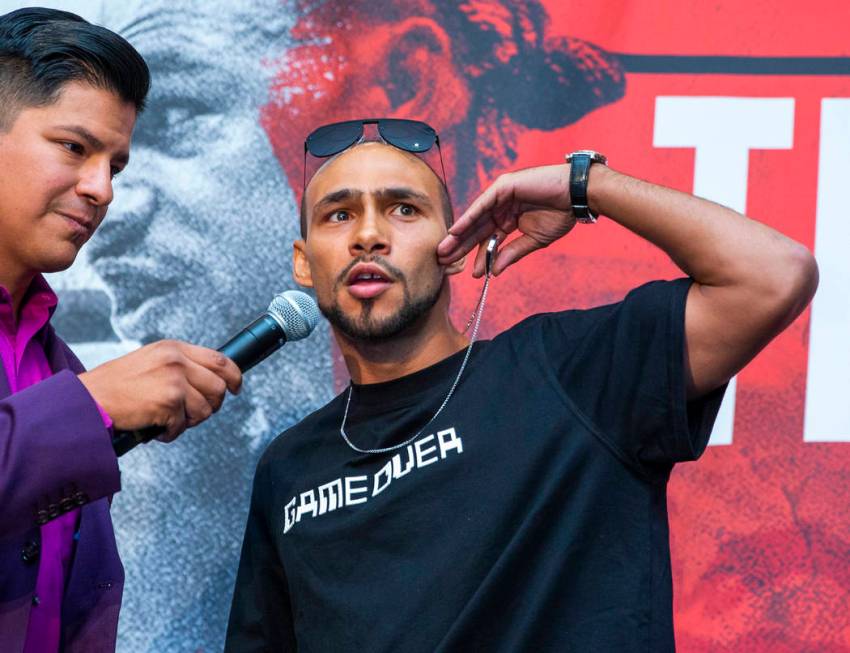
(714, 245)
(750, 280)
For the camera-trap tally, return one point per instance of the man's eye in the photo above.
(338, 216)
(178, 127)
(406, 210)
(75, 148)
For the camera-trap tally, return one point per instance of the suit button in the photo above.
(53, 510)
(29, 552)
(41, 517)
(80, 498)
(67, 504)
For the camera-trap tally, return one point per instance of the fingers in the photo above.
(175, 423)
(197, 407)
(513, 252)
(480, 266)
(208, 384)
(209, 374)
(461, 247)
(478, 221)
(500, 206)
(193, 409)
(216, 362)
(483, 204)
(200, 378)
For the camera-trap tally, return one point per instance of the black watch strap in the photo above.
(580, 163)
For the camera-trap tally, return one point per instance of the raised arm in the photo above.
(750, 281)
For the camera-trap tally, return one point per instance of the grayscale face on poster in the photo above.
(195, 245)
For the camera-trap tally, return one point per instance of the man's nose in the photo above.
(95, 182)
(371, 234)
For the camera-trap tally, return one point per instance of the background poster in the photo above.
(747, 104)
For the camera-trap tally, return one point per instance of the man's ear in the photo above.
(301, 271)
(423, 81)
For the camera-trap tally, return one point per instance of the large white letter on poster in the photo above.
(723, 130)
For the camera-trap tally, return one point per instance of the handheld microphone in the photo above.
(292, 315)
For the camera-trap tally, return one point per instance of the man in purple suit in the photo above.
(70, 93)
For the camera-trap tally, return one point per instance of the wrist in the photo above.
(599, 181)
(582, 163)
(90, 383)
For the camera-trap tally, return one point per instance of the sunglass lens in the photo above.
(410, 135)
(331, 139)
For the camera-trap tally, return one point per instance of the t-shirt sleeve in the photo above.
(261, 613)
(622, 367)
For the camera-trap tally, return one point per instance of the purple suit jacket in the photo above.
(55, 455)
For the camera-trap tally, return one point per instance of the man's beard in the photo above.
(367, 328)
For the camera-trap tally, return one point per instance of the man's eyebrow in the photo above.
(396, 194)
(339, 196)
(402, 193)
(94, 142)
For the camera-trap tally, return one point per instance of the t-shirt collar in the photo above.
(409, 388)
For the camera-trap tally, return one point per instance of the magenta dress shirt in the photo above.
(26, 364)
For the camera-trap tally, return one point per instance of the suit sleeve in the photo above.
(55, 453)
(261, 612)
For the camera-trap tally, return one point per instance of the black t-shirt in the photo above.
(529, 516)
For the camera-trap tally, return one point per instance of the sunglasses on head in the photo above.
(409, 135)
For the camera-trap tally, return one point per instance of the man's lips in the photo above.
(367, 280)
(83, 224)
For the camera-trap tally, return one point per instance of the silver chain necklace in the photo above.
(476, 317)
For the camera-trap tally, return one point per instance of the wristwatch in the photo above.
(580, 162)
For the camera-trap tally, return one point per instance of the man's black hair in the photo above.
(41, 50)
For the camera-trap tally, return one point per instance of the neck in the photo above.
(16, 282)
(428, 342)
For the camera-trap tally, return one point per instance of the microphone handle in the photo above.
(253, 344)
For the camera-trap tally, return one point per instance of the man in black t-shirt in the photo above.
(511, 495)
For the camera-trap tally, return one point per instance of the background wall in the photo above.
(744, 103)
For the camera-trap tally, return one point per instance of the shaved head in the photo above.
(445, 204)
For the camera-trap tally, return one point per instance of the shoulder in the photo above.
(553, 338)
(651, 298)
(304, 435)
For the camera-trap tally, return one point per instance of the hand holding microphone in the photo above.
(163, 388)
(172, 384)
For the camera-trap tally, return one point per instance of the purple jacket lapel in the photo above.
(59, 355)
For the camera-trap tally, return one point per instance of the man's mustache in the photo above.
(394, 273)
